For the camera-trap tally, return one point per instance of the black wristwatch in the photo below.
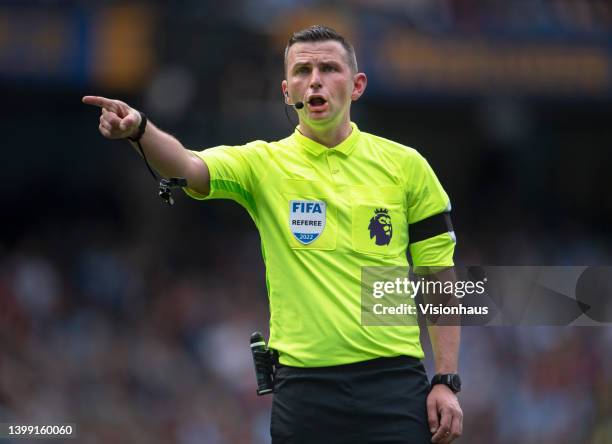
(451, 380)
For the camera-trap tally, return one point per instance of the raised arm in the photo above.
(165, 153)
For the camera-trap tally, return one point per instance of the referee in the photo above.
(328, 200)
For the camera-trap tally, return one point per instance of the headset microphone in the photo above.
(296, 105)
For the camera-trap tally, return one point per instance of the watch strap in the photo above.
(451, 380)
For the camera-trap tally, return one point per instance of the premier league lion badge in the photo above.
(307, 219)
(380, 226)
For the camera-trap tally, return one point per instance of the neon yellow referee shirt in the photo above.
(322, 214)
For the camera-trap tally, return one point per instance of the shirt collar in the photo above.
(345, 147)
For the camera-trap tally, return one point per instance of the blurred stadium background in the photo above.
(132, 319)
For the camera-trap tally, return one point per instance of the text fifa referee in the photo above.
(328, 200)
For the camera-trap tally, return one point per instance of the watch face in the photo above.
(455, 383)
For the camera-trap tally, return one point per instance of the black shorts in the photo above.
(377, 401)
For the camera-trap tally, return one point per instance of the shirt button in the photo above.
(335, 171)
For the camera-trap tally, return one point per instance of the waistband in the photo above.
(371, 364)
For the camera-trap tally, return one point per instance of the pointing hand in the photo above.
(118, 120)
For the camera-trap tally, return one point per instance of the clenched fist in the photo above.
(118, 120)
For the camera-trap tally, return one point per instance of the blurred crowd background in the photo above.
(132, 319)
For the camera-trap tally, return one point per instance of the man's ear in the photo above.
(360, 81)
(284, 88)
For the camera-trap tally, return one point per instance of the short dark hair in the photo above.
(320, 33)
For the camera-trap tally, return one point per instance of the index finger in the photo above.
(102, 102)
(432, 415)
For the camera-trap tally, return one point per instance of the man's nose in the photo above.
(315, 79)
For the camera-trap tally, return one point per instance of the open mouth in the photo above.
(316, 101)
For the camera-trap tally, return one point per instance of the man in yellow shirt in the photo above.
(328, 201)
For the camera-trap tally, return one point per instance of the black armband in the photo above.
(430, 227)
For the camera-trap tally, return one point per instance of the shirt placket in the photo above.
(333, 163)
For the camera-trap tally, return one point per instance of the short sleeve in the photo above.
(428, 206)
(232, 174)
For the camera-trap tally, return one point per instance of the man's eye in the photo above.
(329, 68)
(302, 70)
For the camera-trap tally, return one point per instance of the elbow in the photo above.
(197, 175)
